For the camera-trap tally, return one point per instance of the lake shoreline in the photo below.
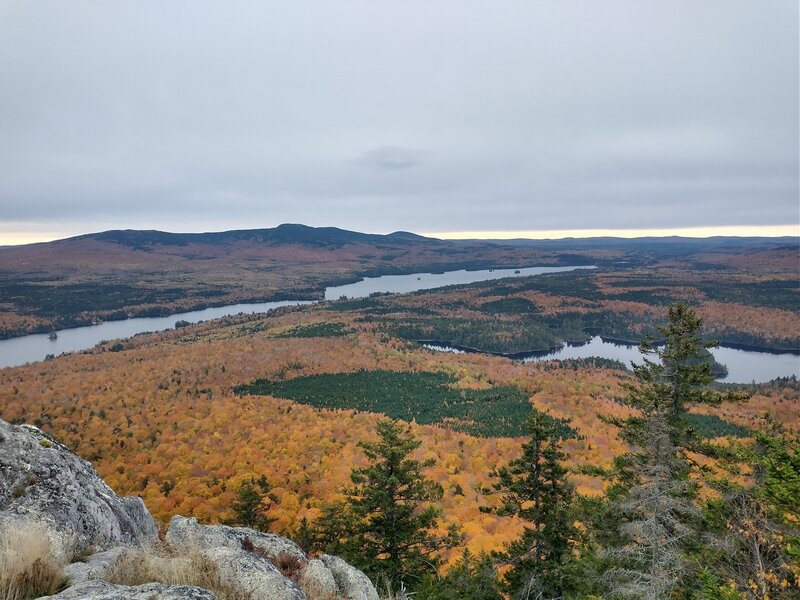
(610, 340)
(311, 294)
(741, 366)
(36, 347)
(33, 347)
(157, 312)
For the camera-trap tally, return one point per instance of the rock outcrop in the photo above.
(97, 566)
(252, 575)
(102, 590)
(317, 581)
(351, 583)
(43, 482)
(186, 533)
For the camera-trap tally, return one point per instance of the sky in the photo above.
(454, 117)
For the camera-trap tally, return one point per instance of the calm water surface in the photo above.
(426, 281)
(29, 348)
(744, 366)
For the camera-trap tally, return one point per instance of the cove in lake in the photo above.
(744, 366)
(30, 348)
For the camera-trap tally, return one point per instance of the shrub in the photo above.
(288, 564)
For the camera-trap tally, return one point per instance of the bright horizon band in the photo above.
(17, 238)
(698, 232)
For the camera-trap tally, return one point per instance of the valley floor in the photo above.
(161, 418)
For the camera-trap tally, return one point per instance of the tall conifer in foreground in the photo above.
(392, 511)
(535, 489)
(656, 504)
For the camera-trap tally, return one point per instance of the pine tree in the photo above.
(334, 530)
(534, 488)
(655, 502)
(393, 511)
(253, 500)
(470, 578)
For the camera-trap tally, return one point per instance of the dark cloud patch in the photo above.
(391, 158)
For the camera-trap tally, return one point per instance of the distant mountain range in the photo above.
(295, 233)
(289, 233)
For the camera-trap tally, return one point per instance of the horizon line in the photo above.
(629, 233)
(21, 238)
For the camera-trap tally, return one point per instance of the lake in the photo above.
(30, 348)
(744, 366)
(403, 284)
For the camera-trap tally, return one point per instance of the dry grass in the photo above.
(29, 565)
(161, 564)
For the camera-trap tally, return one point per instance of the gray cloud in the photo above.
(391, 158)
(380, 116)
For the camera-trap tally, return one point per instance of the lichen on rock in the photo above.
(42, 480)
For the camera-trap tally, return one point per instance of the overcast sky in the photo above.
(379, 115)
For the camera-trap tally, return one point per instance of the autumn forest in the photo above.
(189, 417)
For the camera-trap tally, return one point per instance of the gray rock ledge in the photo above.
(42, 480)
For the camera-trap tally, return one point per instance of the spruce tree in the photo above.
(334, 530)
(392, 511)
(534, 488)
(677, 379)
(655, 494)
(253, 501)
(470, 578)
(654, 516)
(303, 535)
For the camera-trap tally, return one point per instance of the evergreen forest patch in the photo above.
(428, 398)
(711, 426)
(315, 330)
